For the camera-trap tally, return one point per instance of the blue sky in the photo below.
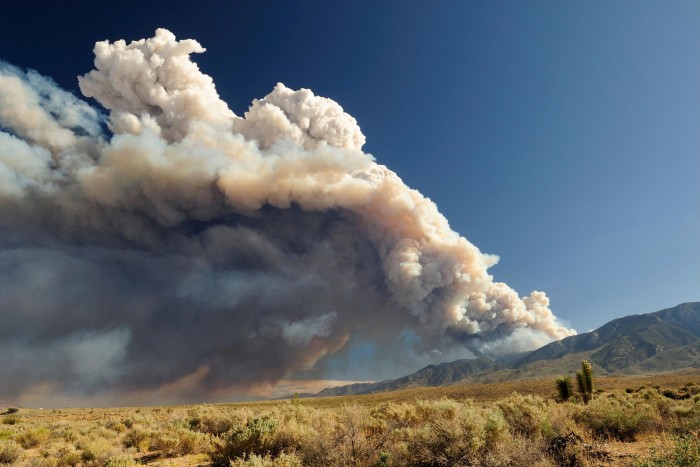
(562, 136)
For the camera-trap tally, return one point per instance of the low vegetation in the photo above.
(638, 425)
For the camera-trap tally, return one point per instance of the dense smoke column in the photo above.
(193, 245)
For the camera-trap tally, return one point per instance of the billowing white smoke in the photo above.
(233, 202)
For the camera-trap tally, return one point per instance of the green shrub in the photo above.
(214, 422)
(120, 461)
(255, 437)
(616, 419)
(96, 451)
(526, 415)
(686, 453)
(11, 419)
(283, 460)
(449, 433)
(137, 438)
(116, 426)
(69, 458)
(495, 430)
(32, 438)
(10, 452)
(178, 441)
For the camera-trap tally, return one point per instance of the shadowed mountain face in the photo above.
(431, 375)
(627, 341)
(664, 341)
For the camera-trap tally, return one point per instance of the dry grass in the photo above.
(631, 421)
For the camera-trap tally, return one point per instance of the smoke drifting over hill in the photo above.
(194, 252)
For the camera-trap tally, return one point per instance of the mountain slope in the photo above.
(432, 375)
(629, 340)
(654, 342)
(668, 361)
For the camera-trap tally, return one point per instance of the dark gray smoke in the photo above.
(192, 253)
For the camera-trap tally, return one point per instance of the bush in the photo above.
(526, 415)
(618, 419)
(137, 438)
(214, 422)
(450, 433)
(255, 437)
(120, 461)
(10, 452)
(97, 451)
(33, 438)
(178, 441)
(686, 453)
(284, 460)
(10, 419)
(495, 430)
(118, 427)
(58, 453)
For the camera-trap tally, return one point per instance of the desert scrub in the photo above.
(495, 430)
(526, 415)
(207, 419)
(351, 436)
(396, 415)
(295, 428)
(96, 451)
(116, 426)
(10, 452)
(60, 454)
(686, 417)
(449, 433)
(11, 419)
(254, 437)
(137, 438)
(174, 440)
(685, 453)
(32, 438)
(284, 460)
(319, 447)
(621, 419)
(120, 461)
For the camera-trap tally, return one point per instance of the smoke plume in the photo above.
(172, 247)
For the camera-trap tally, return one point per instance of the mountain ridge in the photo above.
(633, 344)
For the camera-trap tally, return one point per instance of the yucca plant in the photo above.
(584, 381)
(564, 388)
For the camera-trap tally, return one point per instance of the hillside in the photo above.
(433, 375)
(669, 361)
(659, 342)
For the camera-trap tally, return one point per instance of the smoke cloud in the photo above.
(174, 248)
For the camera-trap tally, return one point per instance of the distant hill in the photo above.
(669, 361)
(659, 342)
(627, 341)
(432, 375)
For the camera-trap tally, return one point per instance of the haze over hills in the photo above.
(659, 342)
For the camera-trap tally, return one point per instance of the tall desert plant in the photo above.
(584, 381)
(564, 388)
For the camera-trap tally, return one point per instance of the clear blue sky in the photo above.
(562, 136)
